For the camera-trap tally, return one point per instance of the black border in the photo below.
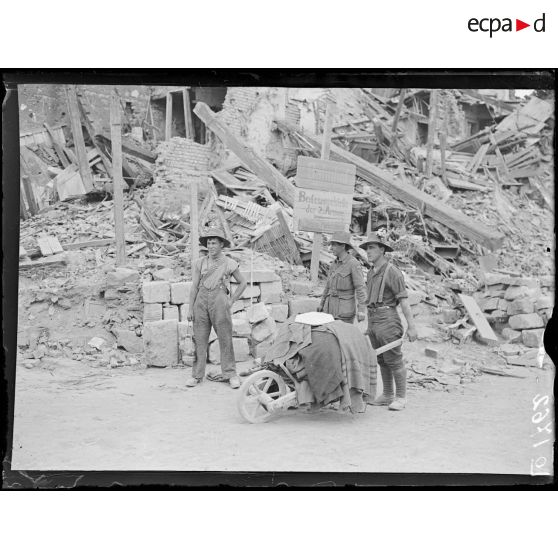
(87, 480)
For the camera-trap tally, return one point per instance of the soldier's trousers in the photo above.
(384, 326)
(212, 308)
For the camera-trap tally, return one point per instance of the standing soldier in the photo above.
(210, 305)
(385, 290)
(345, 283)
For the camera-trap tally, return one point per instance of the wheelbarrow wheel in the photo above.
(260, 389)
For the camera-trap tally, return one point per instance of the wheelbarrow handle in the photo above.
(388, 346)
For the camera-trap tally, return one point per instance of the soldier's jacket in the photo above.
(345, 282)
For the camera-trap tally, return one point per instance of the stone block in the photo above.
(302, 305)
(491, 279)
(489, 304)
(241, 328)
(547, 281)
(160, 341)
(238, 306)
(186, 348)
(121, 276)
(259, 350)
(271, 292)
(251, 291)
(257, 313)
(545, 314)
(152, 312)
(258, 275)
(170, 312)
(503, 305)
(497, 290)
(279, 312)
(128, 340)
(530, 282)
(263, 330)
(543, 303)
(241, 351)
(156, 291)
(180, 292)
(508, 349)
(431, 352)
(526, 321)
(301, 287)
(515, 292)
(520, 306)
(532, 337)
(183, 312)
(165, 274)
(511, 335)
(450, 315)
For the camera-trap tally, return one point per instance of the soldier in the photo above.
(345, 282)
(210, 305)
(385, 290)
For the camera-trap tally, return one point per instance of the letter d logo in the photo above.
(539, 23)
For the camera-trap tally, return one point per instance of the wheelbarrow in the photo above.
(265, 393)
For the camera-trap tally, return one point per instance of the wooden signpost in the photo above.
(324, 195)
(118, 195)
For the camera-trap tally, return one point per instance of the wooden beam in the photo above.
(118, 195)
(288, 236)
(57, 147)
(194, 223)
(413, 197)
(89, 127)
(188, 113)
(398, 113)
(432, 119)
(23, 213)
(259, 166)
(79, 143)
(168, 117)
(29, 194)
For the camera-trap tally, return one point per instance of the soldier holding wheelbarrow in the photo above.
(385, 290)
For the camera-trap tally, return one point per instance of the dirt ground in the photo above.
(80, 418)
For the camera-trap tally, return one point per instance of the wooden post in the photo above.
(57, 147)
(118, 195)
(432, 117)
(398, 113)
(318, 237)
(168, 118)
(22, 209)
(79, 143)
(29, 194)
(194, 223)
(189, 125)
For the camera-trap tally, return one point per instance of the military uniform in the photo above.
(345, 282)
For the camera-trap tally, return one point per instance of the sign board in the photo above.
(324, 195)
(316, 174)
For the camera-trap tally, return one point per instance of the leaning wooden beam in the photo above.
(409, 195)
(77, 133)
(57, 147)
(259, 166)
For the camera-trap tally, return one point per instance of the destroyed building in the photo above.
(459, 181)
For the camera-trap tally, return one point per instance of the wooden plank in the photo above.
(289, 236)
(188, 113)
(118, 195)
(535, 183)
(398, 113)
(56, 259)
(478, 159)
(57, 147)
(77, 133)
(54, 243)
(44, 246)
(168, 117)
(29, 194)
(194, 223)
(23, 213)
(89, 127)
(262, 168)
(409, 195)
(481, 323)
(432, 119)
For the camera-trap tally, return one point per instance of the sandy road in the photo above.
(80, 418)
